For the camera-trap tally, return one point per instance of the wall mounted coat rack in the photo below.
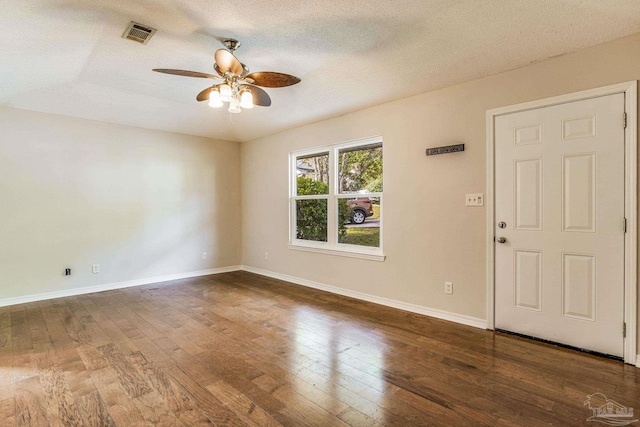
(445, 149)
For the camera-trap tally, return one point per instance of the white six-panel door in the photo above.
(559, 190)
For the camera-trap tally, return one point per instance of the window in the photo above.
(336, 199)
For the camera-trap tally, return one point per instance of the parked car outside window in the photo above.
(361, 209)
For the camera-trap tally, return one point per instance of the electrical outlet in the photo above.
(95, 269)
(67, 272)
(448, 288)
(204, 255)
(475, 199)
(266, 255)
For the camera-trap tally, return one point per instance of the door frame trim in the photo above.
(631, 195)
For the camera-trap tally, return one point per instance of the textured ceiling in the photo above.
(68, 57)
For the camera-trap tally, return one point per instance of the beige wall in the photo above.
(140, 203)
(429, 235)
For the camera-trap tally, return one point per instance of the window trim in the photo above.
(332, 246)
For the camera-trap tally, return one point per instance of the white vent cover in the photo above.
(138, 32)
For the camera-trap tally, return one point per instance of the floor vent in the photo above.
(138, 32)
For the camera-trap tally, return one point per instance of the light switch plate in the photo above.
(475, 199)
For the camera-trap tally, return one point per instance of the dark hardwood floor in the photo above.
(239, 349)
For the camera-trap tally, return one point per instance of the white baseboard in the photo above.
(432, 312)
(413, 308)
(638, 361)
(111, 286)
(440, 314)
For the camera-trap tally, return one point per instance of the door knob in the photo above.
(501, 239)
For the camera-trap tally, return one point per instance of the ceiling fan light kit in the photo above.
(214, 99)
(225, 92)
(238, 88)
(238, 96)
(246, 99)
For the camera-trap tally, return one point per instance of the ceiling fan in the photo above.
(237, 87)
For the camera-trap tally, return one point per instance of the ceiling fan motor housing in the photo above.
(231, 44)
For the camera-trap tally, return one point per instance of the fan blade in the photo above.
(271, 79)
(227, 62)
(260, 97)
(186, 73)
(204, 95)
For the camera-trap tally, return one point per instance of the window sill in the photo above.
(371, 256)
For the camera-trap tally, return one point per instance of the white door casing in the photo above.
(563, 187)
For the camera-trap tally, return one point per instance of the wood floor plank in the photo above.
(38, 331)
(153, 352)
(91, 357)
(93, 411)
(178, 332)
(354, 418)
(76, 374)
(92, 330)
(174, 397)
(58, 333)
(7, 377)
(8, 411)
(312, 393)
(75, 329)
(117, 337)
(22, 349)
(154, 411)
(59, 401)
(141, 324)
(210, 405)
(120, 407)
(301, 408)
(241, 405)
(30, 405)
(132, 381)
(239, 374)
(90, 303)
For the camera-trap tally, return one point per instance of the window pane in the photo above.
(360, 169)
(311, 220)
(359, 221)
(312, 174)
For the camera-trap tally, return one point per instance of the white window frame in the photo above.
(331, 246)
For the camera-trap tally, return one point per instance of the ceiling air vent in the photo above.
(138, 32)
